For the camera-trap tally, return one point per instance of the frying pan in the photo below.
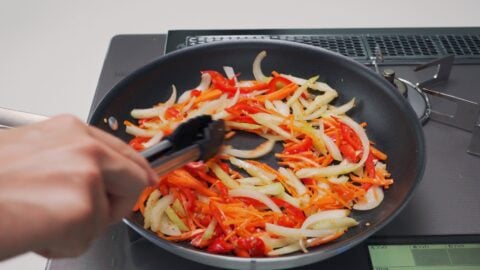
(392, 125)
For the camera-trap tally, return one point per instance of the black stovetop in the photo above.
(445, 207)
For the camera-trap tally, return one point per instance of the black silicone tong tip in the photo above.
(208, 134)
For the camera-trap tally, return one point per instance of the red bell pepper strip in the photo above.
(309, 181)
(189, 199)
(348, 152)
(253, 245)
(244, 119)
(226, 85)
(290, 210)
(220, 246)
(278, 83)
(300, 147)
(350, 136)
(137, 143)
(195, 93)
(218, 215)
(369, 166)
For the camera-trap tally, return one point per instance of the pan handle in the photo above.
(11, 118)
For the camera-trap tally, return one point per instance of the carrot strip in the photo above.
(208, 95)
(140, 204)
(377, 153)
(279, 94)
(326, 239)
(374, 181)
(182, 178)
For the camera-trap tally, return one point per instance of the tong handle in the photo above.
(12, 118)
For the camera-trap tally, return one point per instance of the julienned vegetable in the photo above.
(234, 204)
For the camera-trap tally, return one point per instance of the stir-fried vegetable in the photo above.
(235, 204)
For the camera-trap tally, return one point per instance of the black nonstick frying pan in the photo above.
(392, 125)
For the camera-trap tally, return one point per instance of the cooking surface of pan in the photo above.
(392, 124)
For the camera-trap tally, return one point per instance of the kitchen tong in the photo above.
(199, 138)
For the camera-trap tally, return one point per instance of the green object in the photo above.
(176, 219)
(425, 256)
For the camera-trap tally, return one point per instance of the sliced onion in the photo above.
(297, 80)
(301, 243)
(301, 90)
(167, 227)
(145, 113)
(295, 233)
(156, 214)
(155, 125)
(203, 199)
(345, 167)
(281, 107)
(254, 181)
(223, 176)
(260, 151)
(330, 144)
(341, 109)
(320, 86)
(230, 73)
(269, 105)
(274, 243)
(166, 105)
(304, 102)
(373, 198)
(338, 180)
(154, 140)
(255, 93)
(208, 107)
(270, 122)
(320, 101)
(240, 125)
(205, 82)
(220, 115)
(341, 223)
(285, 250)
(332, 148)
(314, 134)
(185, 96)
(297, 111)
(288, 198)
(293, 180)
(152, 199)
(175, 219)
(257, 67)
(252, 194)
(253, 170)
(140, 132)
(328, 214)
(189, 105)
(270, 189)
(210, 230)
(316, 114)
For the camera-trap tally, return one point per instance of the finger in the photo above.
(102, 208)
(122, 176)
(118, 206)
(122, 148)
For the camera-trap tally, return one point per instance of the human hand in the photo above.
(62, 183)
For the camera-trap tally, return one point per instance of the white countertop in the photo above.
(51, 52)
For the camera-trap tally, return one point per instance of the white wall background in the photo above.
(51, 52)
